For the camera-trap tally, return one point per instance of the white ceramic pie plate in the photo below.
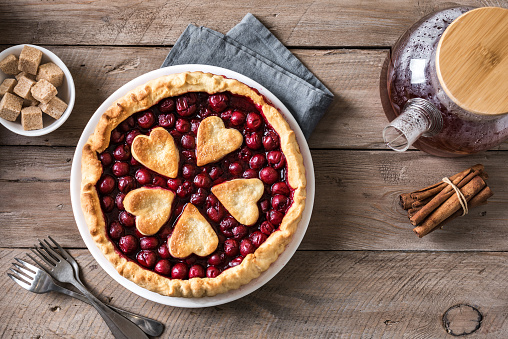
(205, 301)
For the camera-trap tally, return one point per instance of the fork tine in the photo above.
(50, 250)
(20, 282)
(62, 251)
(27, 265)
(37, 262)
(27, 272)
(48, 261)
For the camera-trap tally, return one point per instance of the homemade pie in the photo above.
(192, 184)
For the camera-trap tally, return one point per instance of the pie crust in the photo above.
(144, 97)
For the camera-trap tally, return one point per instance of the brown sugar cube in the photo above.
(7, 86)
(44, 91)
(25, 74)
(55, 108)
(31, 118)
(23, 87)
(10, 106)
(29, 60)
(9, 65)
(52, 73)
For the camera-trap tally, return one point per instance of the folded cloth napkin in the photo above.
(252, 50)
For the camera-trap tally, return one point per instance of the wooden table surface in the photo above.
(360, 270)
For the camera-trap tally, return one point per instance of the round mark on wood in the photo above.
(462, 319)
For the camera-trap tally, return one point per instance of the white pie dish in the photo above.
(66, 92)
(191, 302)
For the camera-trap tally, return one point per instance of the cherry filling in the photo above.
(260, 156)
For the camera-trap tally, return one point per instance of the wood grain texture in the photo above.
(295, 23)
(356, 205)
(361, 294)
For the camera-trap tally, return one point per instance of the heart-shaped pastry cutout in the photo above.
(157, 152)
(192, 234)
(240, 197)
(214, 140)
(151, 206)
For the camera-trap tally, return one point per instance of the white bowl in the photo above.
(220, 298)
(66, 92)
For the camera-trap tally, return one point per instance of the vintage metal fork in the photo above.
(39, 281)
(61, 270)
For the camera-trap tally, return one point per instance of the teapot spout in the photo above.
(419, 118)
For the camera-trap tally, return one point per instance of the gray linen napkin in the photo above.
(252, 50)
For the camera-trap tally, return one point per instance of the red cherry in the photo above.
(179, 271)
(186, 104)
(280, 202)
(202, 180)
(167, 120)
(188, 141)
(253, 121)
(218, 102)
(280, 188)
(127, 219)
(184, 190)
(245, 154)
(246, 247)
(216, 173)
(182, 126)
(164, 251)
(235, 168)
(134, 162)
(107, 203)
(205, 112)
(126, 184)
(196, 271)
(250, 174)
(122, 152)
(226, 115)
(120, 168)
(253, 140)
(146, 119)
(143, 176)
(266, 228)
(131, 135)
(236, 261)
(239, 232)
(270, 141)
(257, 238)
(158, 181)
(115, 230)
(147, 258)
(257, 161)
(265, 205)
(167, 105)
(107, 184)
(199, 197)
(215, 213)
(268, 175)
(149, 243)
(128, 244)
(163, 267)
(119, 201)
(188, 171)
(231, 247)
(195, 126)
(237, 118)
(276, 159)
(212, 272)
(190, 156)
(215, 259)
(174, 183)
(127, 124)
(106, 159)
(274, 217)
(117, 136)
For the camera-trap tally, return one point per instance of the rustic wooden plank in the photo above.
(296, 23)
(318, 294)
(356, 203)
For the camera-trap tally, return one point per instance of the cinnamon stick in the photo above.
(441, 197)
(450, 206)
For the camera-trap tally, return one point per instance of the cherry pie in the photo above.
(192, 184)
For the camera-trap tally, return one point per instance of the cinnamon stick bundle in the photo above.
(431, 207)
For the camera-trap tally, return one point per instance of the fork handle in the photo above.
(121, 327)
(151, 327)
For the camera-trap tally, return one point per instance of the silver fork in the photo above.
(61, 270)
(39, 281)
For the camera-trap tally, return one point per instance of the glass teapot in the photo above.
(447, 83)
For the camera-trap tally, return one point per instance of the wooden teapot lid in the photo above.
(472, 61)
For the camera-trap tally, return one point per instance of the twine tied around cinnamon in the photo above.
(460, 196)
